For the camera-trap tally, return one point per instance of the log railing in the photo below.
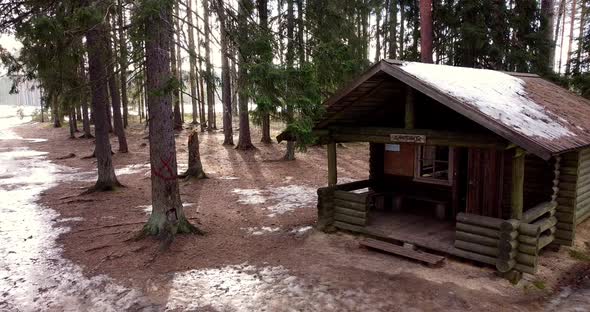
(507, 244)
(343, 208)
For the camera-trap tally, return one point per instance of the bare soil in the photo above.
(249, 228)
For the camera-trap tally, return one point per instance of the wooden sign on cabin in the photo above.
(408, 138)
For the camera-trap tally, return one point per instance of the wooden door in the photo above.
(485, 176)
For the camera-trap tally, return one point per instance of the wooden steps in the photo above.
(430, 259)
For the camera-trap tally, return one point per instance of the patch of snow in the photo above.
(270, 288)
(148, 208)
(228, 178)
(344, 180)
(283, 199)
(261, 230)
(291, 197)
(72, 219)
(250, 196)
(495, 94)
(360, 191)
(301, 230)
(132, 169)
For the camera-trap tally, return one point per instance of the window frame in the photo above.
(418, 167)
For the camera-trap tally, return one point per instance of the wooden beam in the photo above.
(433, 137)
(332, 167)
(409, 111)
(518, 161)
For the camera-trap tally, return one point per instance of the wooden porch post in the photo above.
(518, 161)
(409, 116)
(332, 168)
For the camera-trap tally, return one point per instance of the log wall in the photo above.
(583, 187)
(566, 199)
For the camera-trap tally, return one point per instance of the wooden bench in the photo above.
(440, 206)
(430, 259)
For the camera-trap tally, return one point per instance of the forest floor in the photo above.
(260, 251)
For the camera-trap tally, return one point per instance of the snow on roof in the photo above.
(495, 94)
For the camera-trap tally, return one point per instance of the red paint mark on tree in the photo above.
(168, 174)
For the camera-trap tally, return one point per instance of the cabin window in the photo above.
(433, 164)
(392, 147)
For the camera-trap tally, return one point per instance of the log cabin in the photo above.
(485, 165)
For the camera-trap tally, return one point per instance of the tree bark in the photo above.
(562, 10)
(55, 111)
(175, 74)
(195, 166)
(571, 40)
(225, 76)
(263, 16)
(116, 101)
(85, 120)
(72, 123)
(167, 218)
(192, 62)
(244, 139)
(290, 152)
(402, 28)
(208, 69)
(97, 42)
(123, 62)
(426, 31)
(378, 34)
(547, 25)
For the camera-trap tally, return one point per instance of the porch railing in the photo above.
(507, 244)
(343, 208)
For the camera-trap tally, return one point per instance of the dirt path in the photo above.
(260, 251)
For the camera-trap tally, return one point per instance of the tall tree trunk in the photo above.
(300, 31)
(55, 111)
(426, 31)
(290, 152)
(562, 39)
(176, 76)
(200, 79)
(116, 101)
(78, 115)
(547, 25)
(402, 27)
(192, 57)
(179, 59)
(208, 69)
(225, 76)
(98, 43)
(266, 59)
(378, 34)
(167, 216)
(85, 120)
(580, 36)
(123, 62)
(244, 139)
(72, 123)
(571, 39)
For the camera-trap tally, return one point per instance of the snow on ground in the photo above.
(282, 199)
(261, 230)
(271, 288)
(301, 230)
(148, 208)
(495, 94)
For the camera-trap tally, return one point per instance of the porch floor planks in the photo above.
(422, 231)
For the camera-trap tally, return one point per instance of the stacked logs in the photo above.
(507, 245)
(536, 231)
(350, 209)
(477, 238)
(339, 207)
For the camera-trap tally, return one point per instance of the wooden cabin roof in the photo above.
(537, 115)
